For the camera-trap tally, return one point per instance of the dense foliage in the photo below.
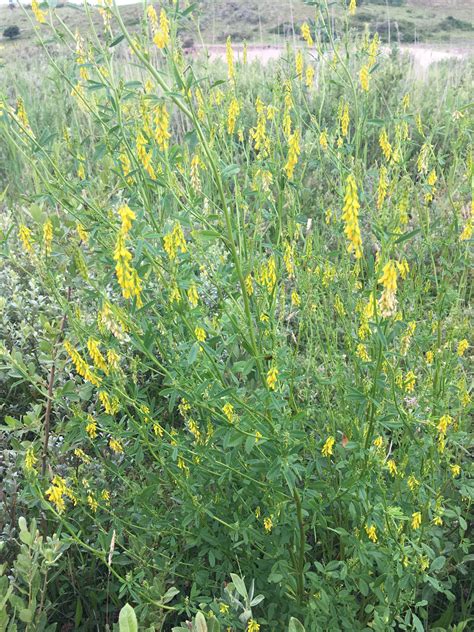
(235, 336)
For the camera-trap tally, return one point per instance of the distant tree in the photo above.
(11, 31)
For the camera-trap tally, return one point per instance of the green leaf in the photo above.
(200, 623)
(192, 355)
(438, 563)
(295, 626)
(239, 585)
(128, 619)
(417, 623)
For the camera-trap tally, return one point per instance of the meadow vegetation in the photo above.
(235, 368)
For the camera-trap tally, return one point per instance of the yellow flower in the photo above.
(382, 186)
(463, 346)
(323, 140)
(174, 241)
(412, 482)
(253, 626)
(299, 63)
(230, 60)
(410, 379)
(364, 77)
(438, 521)
(223, 608)
(429, 357)
(392, 467)
(24, 234)
(110, 404)
(361, 352)
(295, 299)
(91, 427)
(92, 502)
(249, 284)
(351, 217)
(97, 357)
(200, 334)
(38, 13)
(444, 422)
(30, 459)
(388, 302)
(344, 120)
(352, 7)
(293, 153)
(229, 412)
(328, 446)
(455, 470)
(193, 296)
(268, 524)
(81, 366)
(371, 532)
(309, 76)
(416, 520)
(272, 377)
(82, 233)
(385, 144)
(232, 114)
(467, 230)
(378, 442)
(115, 445)
(306, 34)
(162, 35)
(162, 121)
(47, 236)
(127, 276)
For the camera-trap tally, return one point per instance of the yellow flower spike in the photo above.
(309, 76)
(416, 520)
(47, 236)
(392, 467)
(115, 445)
(323, 140)
(232, 114)
(371, 533)
(328, 446)
(345, 120)
(410, 380)
(30, 459)
(229, 412)
(268, 526)
(38, 13)
(352, 7)
(24, 233)
(351, 217)
(364, 78)
(81, 366)
(385, 145)
(161, 38)
(295, 299)
(388, 302)
(293, 153)
(443, 424)
(200, 334)
(193, 296)
(162, 121)
(382, 186)
(229, 53)
(299, 64)
(96, 355)
(455, 470)
(463, 346)
(272, 378)
(306, 34)
(253, 626)
(91, 427)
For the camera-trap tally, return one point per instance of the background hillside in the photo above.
(272, 21)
